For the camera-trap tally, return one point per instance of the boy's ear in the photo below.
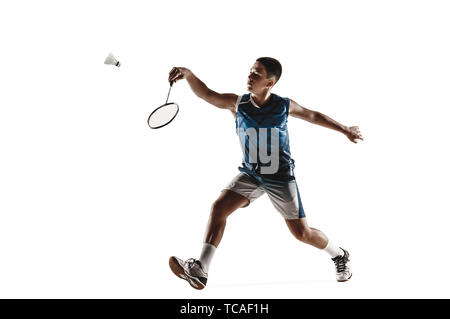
(271, 83)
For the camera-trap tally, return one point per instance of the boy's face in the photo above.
(257, 81)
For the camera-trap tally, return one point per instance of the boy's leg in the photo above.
(300, 229)
(226, 203)
(312, 236)
(341, 258)
(286, 199)
(239, 193)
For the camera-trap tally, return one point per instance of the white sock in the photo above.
(333, 250)
(207, 255)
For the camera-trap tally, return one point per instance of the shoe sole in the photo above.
(178, 270)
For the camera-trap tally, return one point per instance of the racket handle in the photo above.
(171, 82)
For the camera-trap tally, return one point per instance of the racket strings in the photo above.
(164, 114)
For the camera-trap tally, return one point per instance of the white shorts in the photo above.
(283, 195)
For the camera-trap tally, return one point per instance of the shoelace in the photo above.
(190, 262)
(339, 262)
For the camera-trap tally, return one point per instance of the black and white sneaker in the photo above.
(342, 263)
(190, 270)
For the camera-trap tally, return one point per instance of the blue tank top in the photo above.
(264, 137)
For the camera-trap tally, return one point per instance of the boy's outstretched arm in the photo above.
(318, 118)
(223, 101)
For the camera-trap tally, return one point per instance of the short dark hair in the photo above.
(272, 66)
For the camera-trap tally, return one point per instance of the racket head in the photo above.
(163, 115)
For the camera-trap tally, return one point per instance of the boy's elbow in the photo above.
(204, 93)
(312, 116)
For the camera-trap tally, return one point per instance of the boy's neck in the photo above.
(262, 98)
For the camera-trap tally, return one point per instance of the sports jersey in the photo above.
(264, 138)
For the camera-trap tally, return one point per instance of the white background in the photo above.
(93, 203)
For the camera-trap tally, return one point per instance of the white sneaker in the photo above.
(190, 270)
(342, 263)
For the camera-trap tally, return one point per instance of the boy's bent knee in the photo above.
(303, 235)
(228, 202)
(218, 207)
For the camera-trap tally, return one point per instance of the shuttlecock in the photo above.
(110, 59)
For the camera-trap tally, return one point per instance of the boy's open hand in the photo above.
(178, 73)
(354, 134)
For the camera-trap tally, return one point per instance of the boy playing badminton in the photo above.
(261, 118)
